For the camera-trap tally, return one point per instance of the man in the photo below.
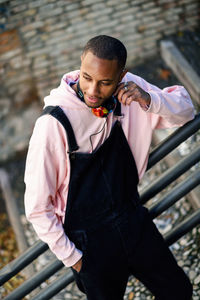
(81, 187)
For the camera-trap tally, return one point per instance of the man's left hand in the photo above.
(127, 92)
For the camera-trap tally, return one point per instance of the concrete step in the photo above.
(181, 68)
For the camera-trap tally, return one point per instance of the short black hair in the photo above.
(107, 47)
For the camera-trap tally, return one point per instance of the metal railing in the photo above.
(156, 209)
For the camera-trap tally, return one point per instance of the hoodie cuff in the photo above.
(74, 258)
(155, 102)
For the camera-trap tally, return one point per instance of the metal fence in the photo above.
(156, 209)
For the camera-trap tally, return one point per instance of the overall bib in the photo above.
(105, 220)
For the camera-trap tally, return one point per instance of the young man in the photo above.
(81, 187)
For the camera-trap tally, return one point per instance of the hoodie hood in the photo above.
(64, 95)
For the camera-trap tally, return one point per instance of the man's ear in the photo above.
(82, 56)
(123, 73)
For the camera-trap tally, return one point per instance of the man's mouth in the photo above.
(93, 99)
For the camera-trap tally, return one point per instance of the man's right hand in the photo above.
(77, 266)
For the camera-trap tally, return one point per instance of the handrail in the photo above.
(170, 175)
(175, 194)
(22, 261)
(173, 141)
(30, 284)
(182, 228)
(55, 287)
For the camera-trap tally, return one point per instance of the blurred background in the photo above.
(40, 40)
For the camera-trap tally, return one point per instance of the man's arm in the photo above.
(172, 104)
(45, 178)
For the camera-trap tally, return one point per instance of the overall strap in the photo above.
(58, 113)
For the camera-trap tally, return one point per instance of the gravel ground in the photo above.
(186, 250)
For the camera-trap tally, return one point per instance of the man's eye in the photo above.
(86, 78)
(105, 83)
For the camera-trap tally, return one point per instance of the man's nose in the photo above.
(93, 89)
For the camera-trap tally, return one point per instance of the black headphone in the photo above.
(79, 92)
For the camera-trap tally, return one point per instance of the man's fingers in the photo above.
(124, 90)
(119, 88)
(78, 265)
(129, 91)
(129, 100)
(131, 95)
(125, 96)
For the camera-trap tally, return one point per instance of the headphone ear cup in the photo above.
(100, 111)
(103, 111)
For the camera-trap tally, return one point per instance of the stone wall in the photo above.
(42, 39)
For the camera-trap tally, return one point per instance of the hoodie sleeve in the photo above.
(45, 171)
(172, 105)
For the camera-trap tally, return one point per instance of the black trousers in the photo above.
(131, 245)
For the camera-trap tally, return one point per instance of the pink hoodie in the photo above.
(47, 171)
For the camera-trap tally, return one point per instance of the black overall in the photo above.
(107, 223)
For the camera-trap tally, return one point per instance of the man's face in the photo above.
(98, 78)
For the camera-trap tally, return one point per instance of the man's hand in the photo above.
(78, 266)
(129, 91)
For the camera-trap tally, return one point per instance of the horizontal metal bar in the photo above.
(175, 194)
(174, 140)
(30, 284)
(170, 175)
(55, 287)
(22, 261)
(182, 228)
